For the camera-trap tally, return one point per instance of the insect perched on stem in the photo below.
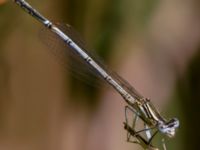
(140, 107)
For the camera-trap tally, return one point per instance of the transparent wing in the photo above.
(130, 89)
(77, 66)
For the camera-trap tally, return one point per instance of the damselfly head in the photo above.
(169, 128)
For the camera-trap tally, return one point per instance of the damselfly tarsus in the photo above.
(140, 106)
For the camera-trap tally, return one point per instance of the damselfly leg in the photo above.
(137, 131)
(134, 120)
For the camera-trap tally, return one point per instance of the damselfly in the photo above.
(140, 107)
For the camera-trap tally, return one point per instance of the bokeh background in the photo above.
(153, 44)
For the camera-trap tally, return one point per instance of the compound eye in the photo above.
(174, 123)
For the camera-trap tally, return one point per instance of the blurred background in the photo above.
(152, 44)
